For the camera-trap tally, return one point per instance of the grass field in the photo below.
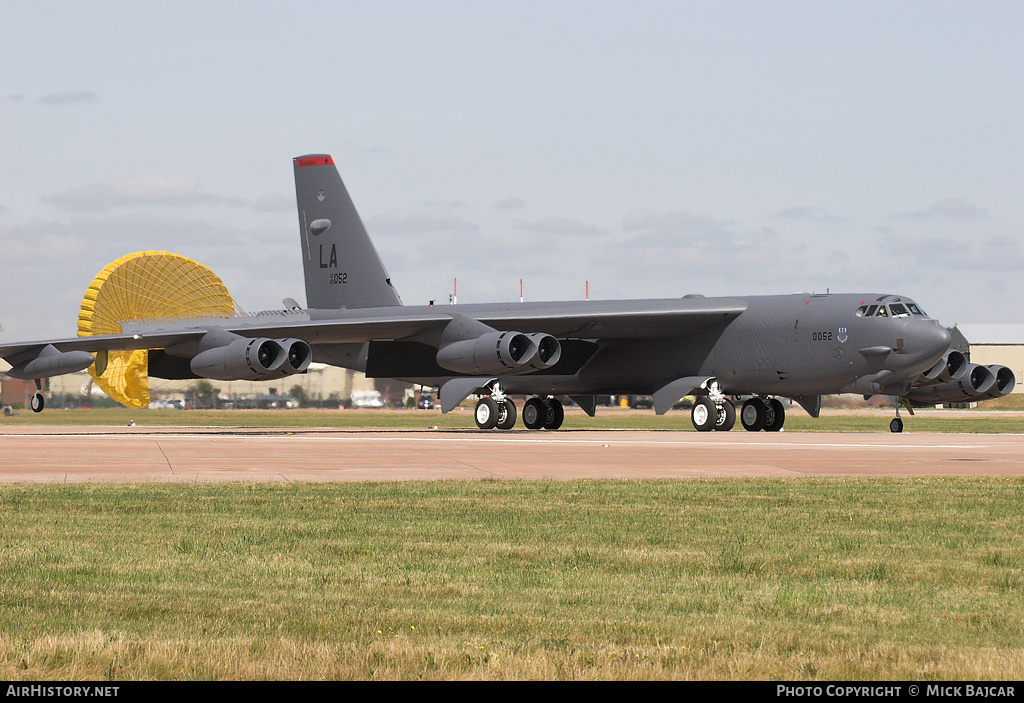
(831, 420)
(839, 579)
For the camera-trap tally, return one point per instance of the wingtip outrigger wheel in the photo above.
(38, 402)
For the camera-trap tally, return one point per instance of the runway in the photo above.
(146, 454)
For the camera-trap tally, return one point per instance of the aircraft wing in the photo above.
(616, 319)
(625, 319)
(355, 329)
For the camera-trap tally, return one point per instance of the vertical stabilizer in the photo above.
(341, 265)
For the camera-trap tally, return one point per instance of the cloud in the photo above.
(141, 190)
(513, 203)
(273, 203)
(419, 222)
(946, 253)
(816, 214)
(556, 225)
(956, 208)
(681, 246)
(80, 96)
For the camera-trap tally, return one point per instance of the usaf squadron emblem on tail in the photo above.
(711, 348)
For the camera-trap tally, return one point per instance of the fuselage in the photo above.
(778, 345)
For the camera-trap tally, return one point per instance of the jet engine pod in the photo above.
(297, 357)
(951, 367)
(241, 360)
(980, 379)
(490, 353)
(976, 382)
(1004, 382)
(549, 351)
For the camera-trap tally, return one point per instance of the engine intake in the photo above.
(951, 367)
(549, 351)
(297, 357)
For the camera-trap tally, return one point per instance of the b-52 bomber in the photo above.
(762, 348)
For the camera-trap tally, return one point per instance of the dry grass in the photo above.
(748, 579)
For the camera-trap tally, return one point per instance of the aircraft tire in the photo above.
(896, 426)
(507, 415)
(534, 412)
(37, 402)
(486, 413)
(704, 414)
(555, 415)
(775, 418)
(752, 415)
(726, 417)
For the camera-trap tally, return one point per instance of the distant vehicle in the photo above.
(425, 402)
(166, 405)
(367, 399)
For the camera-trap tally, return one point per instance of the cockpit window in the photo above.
(871, 311)
(861, 310)
(882, 312)
(915, 310)
(898, 310)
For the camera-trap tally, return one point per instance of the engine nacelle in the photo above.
(951, 367)
(1004, 382)
(490, 353)
(298, 354)
(549, 351)
(244, 359)
(975, 384)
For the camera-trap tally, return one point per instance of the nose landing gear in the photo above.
(896, 426)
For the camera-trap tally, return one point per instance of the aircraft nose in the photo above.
(931, 339)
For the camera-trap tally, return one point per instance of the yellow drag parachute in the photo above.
(146, 285)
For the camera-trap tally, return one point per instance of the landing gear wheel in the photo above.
(506, 415)
(554, 415)
(726, 416)
(486, 413)
(752, 415)
(775, 418)
(704, 414)
(37, 402)
(534, 412)
(896, 426)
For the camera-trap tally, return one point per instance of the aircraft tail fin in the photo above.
(342, 267)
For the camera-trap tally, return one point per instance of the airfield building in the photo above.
(1001, 343)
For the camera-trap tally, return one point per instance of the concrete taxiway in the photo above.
(145, 454)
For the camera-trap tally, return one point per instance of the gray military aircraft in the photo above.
(764, 348)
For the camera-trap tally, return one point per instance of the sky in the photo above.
(638, 149)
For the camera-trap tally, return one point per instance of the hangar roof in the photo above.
(996, 333)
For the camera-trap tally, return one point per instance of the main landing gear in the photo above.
(716, 412)
(708, 415)
(498, 411)
(766, 414)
